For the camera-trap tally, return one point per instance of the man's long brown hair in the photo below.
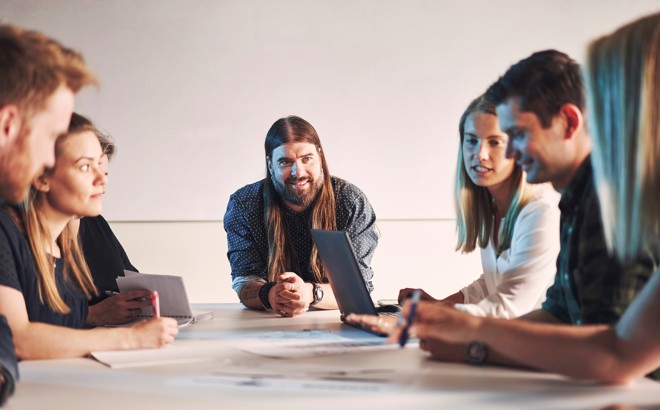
(281, 254)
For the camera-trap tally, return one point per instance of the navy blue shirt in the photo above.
(247, 238)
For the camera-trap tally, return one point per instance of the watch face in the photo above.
(318, 293)
(476, 353)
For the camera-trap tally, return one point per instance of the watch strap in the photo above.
(476, 352)
(263, 294)
(317, 294)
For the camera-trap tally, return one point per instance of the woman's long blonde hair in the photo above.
(623, 91)
(76, 271)
(475, 208)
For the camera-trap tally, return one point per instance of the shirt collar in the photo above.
(576, 187)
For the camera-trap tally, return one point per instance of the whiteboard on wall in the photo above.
(189, 88)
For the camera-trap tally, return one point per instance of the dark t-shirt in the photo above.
(18, 271)
(104, 255)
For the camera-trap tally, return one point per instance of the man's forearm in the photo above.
(505, 356)
(249, 295)
(449, 352)
(499, 346)
(540, 316)
(496, 358)
(577, 351)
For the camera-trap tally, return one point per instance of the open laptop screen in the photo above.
(343, 272)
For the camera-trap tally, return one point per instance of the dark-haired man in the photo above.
(541, 106)
(273, 261)
(39, 79)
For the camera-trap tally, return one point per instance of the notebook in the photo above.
(343, 271)
(171, 292)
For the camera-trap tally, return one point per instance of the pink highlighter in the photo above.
(155, 302)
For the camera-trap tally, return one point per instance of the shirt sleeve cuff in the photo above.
(239, 282)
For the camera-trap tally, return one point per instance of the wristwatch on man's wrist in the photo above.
(476, 352)
(263, 294)
(317, 293)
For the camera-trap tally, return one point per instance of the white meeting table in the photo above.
(418, 382)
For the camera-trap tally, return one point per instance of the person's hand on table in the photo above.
(406, 293)
(390, 325)
(442, 322)
(378, 324)
(118, 309)
(441, 329)
(291, 296)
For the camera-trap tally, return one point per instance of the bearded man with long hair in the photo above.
(274, 262)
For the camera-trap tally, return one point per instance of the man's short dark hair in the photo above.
(544, 82)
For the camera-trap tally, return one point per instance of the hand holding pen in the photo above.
(157, 332)
(405, 331)
(155, 303)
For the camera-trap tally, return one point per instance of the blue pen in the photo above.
(403, 339)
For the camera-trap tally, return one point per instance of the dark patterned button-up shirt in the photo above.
(591, 286)
(247, 238)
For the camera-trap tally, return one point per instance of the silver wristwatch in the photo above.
(317, 292)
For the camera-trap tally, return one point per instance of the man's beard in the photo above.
(17, 170)
(299, 198)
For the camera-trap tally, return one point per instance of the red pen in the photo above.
(155, 302)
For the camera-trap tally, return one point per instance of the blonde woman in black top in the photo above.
(45, 283)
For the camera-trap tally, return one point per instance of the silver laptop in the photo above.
(343, 271)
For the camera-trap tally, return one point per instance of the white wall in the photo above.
(190, 87)
(410, 253)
